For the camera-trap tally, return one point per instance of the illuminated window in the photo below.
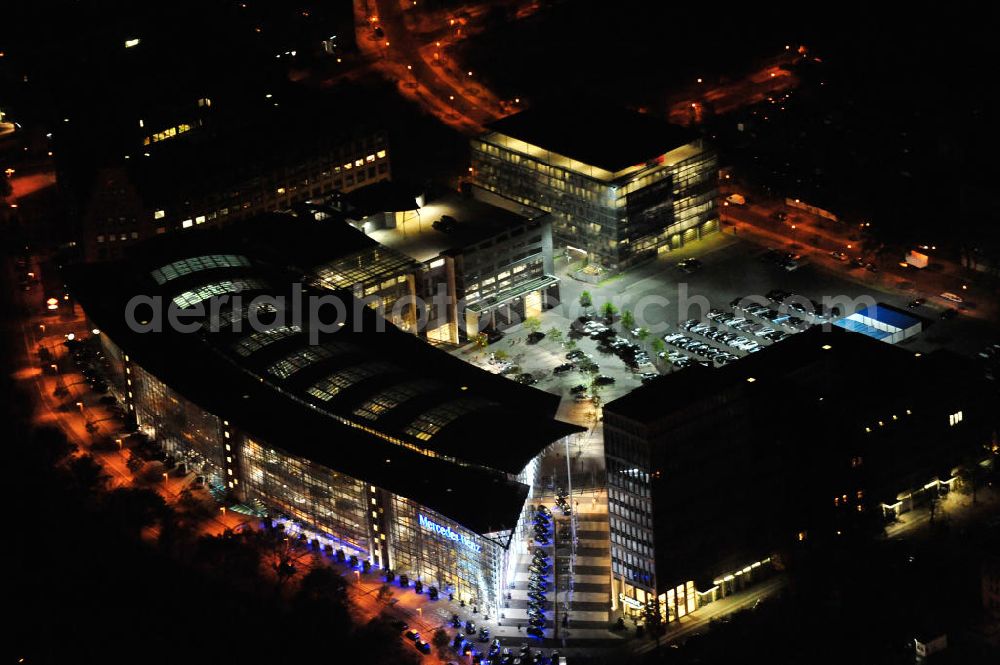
(262, 338)
(202, 293)
(187, 223)
(329, 387)
(434, 420)
(183, 267)
(293, 362)
(392, 397)
(159, 214)
(955, 418)
(380, 154)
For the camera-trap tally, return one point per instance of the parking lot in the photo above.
(664, 294)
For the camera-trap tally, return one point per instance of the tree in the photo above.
(532, 324)
(481, 340)
(628, 319)
(585, 300)
(653, 619)
(440, 640)
(935, 501)
(384, 593)
(87, 473)
(972, 477)
(320, 602)
(554, 334)
(643, 334)
(132, 510)
(570, 344)
(609, 310)
(658, 345)
(501, 354)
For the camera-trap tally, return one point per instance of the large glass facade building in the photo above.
(339, 433)
(620, 186)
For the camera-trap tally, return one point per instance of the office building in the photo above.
(621, 186)
(485, 261)
(712, 473)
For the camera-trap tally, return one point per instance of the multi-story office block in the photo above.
(621, 186)
(485, 261)
(712, 473)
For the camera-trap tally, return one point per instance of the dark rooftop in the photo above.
(607, 137)
(297, 243)
(849, 364)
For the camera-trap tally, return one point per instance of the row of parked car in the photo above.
(697, 347)
(538, 573)
(525, 656)
(743, 327)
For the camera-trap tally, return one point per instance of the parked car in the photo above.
(526, 378)
(604, 380)
(838, 256)
(689, 266)
(562, 369)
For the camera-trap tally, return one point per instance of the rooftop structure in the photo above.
(612, 139)
(422, 236)
(882, 322)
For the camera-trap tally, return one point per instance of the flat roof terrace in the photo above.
(598, 141)
(477, 221)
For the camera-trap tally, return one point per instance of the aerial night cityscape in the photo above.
(501, 332)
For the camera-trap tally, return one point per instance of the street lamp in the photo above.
(165, 476)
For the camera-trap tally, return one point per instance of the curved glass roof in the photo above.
(434, 420)
(329, 386)
(171, 271)
(206, 291)
(304, 357)
(386, 400)
(258, 340)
